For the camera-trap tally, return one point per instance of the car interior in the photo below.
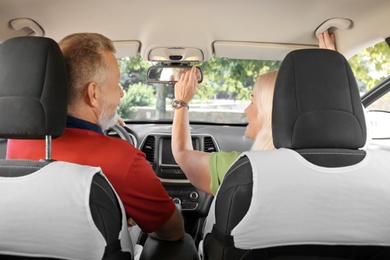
(230, 43)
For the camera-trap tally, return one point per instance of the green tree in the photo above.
(233, 79)
(136, 95)
(372, 65)
(223, 79)
(133, 71)
(133, 78)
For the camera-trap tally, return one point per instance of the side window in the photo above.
(371, 66)
(383, 103)
(378, 118)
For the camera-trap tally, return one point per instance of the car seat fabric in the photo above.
(317, 102)
(33, 88)
(73, 233)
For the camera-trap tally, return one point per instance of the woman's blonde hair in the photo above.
(264, 93)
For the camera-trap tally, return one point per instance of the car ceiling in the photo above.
(265, 25)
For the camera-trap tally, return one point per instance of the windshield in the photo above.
(221, 97)
(226, 87)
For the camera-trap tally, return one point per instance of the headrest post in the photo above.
(48, 148)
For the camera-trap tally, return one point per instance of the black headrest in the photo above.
(33, 88)
(317, 102)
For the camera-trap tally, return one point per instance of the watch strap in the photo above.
(176, 104)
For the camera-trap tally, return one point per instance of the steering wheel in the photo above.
(124, 133)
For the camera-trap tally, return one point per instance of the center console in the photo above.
(194, 203)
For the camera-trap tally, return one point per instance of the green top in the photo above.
(219, 163)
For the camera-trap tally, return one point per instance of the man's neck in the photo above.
(74, 122)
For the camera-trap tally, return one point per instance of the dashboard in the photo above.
(155, 139)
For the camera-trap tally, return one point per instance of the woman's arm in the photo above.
(195, 164)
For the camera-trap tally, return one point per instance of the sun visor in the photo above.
(126, 48)
(255, 50)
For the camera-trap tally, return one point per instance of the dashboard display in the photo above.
(166, 151)
(158, 152)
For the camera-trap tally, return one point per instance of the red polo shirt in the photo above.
(141, 192)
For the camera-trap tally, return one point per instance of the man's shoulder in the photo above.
(99, 139)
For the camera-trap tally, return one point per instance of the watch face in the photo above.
(176, 104)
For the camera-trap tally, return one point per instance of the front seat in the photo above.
(318, 195)
(50, 209)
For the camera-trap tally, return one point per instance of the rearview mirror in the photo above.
(170, 74)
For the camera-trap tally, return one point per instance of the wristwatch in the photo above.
(176, 104)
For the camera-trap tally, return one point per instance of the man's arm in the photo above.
(172, 230)
(148, 204)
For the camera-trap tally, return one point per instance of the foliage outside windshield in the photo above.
(221, 97)
(226, 87)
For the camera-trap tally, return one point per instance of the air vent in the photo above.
(148, 149)
(209, 145)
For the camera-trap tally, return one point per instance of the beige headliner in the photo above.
(268, 28)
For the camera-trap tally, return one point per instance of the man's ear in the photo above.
(93, 94)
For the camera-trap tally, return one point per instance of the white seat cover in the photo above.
(296, 202)
(64, 222)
